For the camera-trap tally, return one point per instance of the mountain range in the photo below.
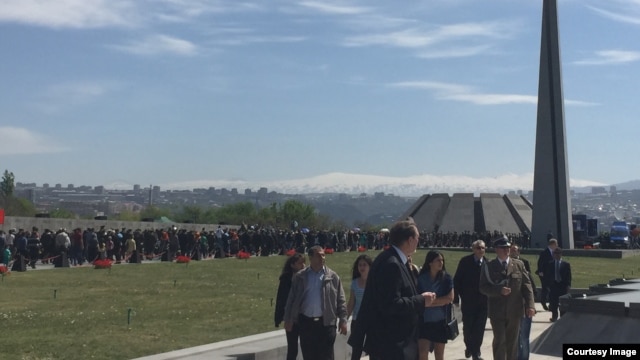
(412, 186)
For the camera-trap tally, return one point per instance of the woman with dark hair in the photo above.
(293, 264)
(359, 275)
(434, 277)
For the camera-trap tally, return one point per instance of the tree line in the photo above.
(285, 215)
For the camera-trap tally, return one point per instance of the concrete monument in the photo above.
(551, 197)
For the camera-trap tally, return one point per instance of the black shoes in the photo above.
(553, 319)
(544, 306)
(467, 354)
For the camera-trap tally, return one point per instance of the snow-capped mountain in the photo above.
(400, 186)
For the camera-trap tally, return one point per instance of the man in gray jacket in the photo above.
(317, 304)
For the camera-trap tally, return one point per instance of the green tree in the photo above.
(237, 213)
(193, 214)
(269, 215)
(7, 185)
(127, 215)
(295, 210)
(62, 214)
(12, 205)
(154, 212)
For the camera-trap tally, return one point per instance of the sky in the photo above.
(168, 92)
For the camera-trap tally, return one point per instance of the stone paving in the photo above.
(273, 345)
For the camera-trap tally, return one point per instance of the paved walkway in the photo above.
(242, 347)
(455, 349)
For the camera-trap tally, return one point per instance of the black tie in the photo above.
(504, 266)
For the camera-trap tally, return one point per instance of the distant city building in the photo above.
(378, 208)
(598, 190)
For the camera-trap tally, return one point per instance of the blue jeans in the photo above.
(523, 339)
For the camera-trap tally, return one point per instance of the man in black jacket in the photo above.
(546, 256)
(559, 273)
(474, 304)
(392, 307)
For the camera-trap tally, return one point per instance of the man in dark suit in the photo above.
(508, 289)
(559, 272)
(391, 308)
(474, 304)
(546, 256)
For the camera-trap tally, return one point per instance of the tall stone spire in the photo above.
(551, 194)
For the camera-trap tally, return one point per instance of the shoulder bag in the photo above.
(452, 323)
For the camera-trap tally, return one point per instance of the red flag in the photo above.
(1, 216)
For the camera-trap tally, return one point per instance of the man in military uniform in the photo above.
(505, 283)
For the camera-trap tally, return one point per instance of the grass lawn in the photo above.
(136, 310)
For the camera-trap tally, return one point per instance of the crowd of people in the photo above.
(401, 312)
(82, 246)
(398, 310)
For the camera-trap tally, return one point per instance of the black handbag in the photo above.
(452, 324)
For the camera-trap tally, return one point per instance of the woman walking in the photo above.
(360, 272)
(293, 264)
(433, 277)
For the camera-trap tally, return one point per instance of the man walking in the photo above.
(509, 293)
(317, 304)
(391, 307)
(546, 256)
(559, 272)
(474, 303)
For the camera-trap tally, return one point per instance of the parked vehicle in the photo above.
(619, 235)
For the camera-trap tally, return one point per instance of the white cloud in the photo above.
(609, 57)
(59, 96)
(69, 13)
(249, 39)
(623, 15)
(454, 52)
(419, 38)
(464, 93)
(409, 38)
(16, 141)
(77, 92)
(492, 99)
(159, 44)
(182, 11)
(327, 8)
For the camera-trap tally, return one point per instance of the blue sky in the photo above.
(169, 91)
